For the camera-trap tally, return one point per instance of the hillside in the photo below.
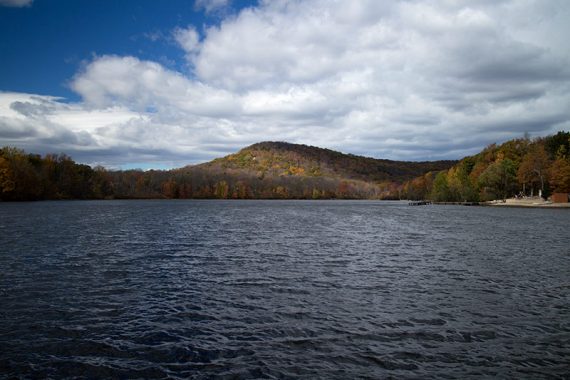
(521, 167)
(278, 170)
(276, 159)
(264, 170)
(285, 170)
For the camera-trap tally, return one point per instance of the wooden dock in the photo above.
(419, 203)
(458, 203)
(425, 203)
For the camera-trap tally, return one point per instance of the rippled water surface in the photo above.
(283, 289)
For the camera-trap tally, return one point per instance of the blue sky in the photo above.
(44, 44)
(141, 83)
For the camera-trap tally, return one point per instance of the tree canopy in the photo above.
(289, 171)
(520, 166)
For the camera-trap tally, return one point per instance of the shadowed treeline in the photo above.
(25, 177)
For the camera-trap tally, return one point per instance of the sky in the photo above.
(162, 84)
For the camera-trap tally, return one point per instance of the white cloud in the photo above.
(146, 86)
(15, 3)
(401, 80)
(188, 39)
(211, 5)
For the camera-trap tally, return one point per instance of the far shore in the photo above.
(528, 202)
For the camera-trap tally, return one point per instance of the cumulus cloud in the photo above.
(15, 3)
(146, 86)
(390, 79)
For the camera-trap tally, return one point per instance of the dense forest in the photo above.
(518, 167)
(277, 170)
(283, 159)
(268, 170)
(32, 177)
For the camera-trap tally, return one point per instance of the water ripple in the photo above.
(256, 289)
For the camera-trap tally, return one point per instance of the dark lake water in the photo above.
(283, 289)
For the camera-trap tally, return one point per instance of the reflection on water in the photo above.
(279, 289)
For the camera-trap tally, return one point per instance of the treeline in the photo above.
(517, 167)
(289, 171)
(266, 170)
(26, 177)
(201, 183)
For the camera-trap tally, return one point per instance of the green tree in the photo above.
(460, 186)
(498, 181)
(440, 191)
(560, 141)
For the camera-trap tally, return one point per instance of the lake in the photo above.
(282, 289)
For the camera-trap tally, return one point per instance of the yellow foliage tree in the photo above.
(7, 183)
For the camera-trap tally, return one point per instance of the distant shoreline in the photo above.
(524, 203)
(527, 205)
(511, 203)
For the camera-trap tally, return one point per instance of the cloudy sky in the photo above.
(149, 83)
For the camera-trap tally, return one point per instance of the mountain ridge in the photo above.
(279, 158)
(264, 170)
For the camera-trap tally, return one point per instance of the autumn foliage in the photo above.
(262, 171)
(32, 177)
(517, 167)
(276, 170)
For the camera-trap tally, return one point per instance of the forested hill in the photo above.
(292, 171)
(281, 170)
(289, 171)
(265, 170)
(275, 159)
(521, 167)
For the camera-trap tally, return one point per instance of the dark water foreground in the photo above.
(270, 289)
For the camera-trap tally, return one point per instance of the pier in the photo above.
(419, 203)
(425, 203)
(458, 203)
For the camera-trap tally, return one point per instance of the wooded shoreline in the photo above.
(278, 170)
(497, 203)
